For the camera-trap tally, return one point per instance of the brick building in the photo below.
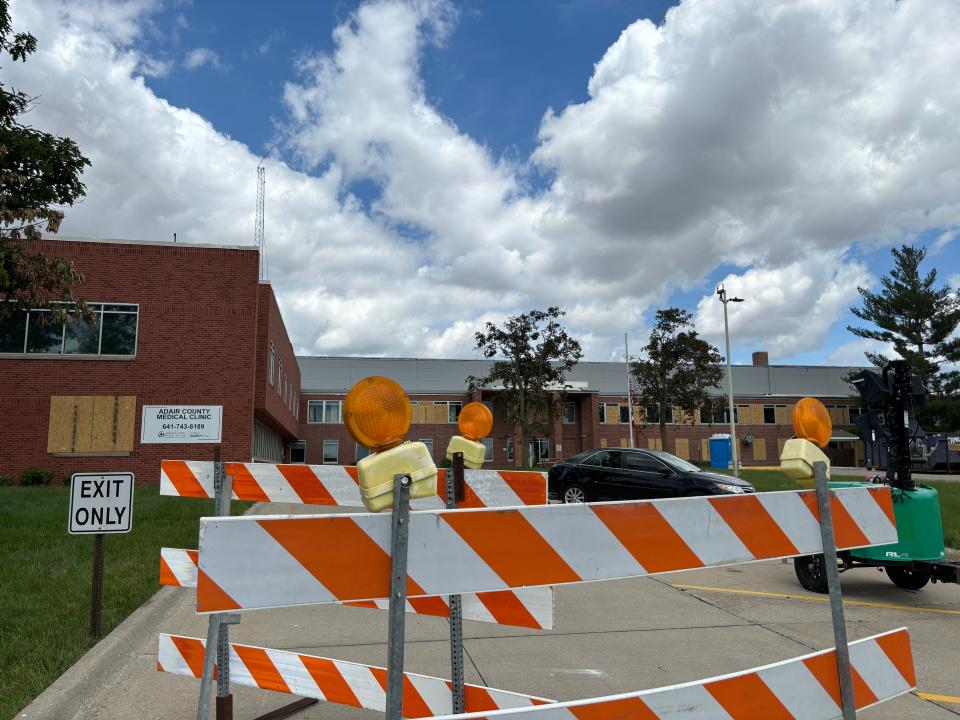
(594, 412)
(177, 324)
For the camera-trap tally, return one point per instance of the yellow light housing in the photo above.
(811, 421)
(475, 421)
(377, 413)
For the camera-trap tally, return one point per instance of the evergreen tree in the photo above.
(538, 353)
(679, 368)
(919, 319)
(39, 174)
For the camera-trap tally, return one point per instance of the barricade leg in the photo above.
(836, 597)
(455, 481)
(399, 536)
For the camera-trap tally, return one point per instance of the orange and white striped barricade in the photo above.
(337, 484)
(335, 681)
(247, 563)
(521, 607)
(804, 688)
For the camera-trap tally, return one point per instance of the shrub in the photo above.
(35, 476)
(6, 480)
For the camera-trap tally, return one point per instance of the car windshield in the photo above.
(675, 462)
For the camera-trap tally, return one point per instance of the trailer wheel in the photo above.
(908, 578)
(811, 572)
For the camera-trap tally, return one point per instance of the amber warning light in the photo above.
(811, 421)
(377, 414)
(475, 421)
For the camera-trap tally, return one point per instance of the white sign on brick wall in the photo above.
(181, 424)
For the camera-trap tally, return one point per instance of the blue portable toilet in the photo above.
(721, 455)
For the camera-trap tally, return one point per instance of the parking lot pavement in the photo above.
(610, 637)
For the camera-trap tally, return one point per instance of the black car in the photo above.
(627, 474)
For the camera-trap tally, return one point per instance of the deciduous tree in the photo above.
(536, 353)
(39, 174)
(677, 368)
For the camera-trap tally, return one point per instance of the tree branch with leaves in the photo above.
(39, 174)
(677, 369)
(536, 355)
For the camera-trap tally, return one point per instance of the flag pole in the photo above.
(626, 355)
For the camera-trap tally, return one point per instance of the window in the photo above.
(624, 414)
(267, 445)
(280, 377)
(488, 444)
(603, 413)
(769, 415)
(642, 463)
(715, 412)
(855, 412)
(113, 332)
(569, 413)
(360, 452)
(652, 414)
(539, 450)
(298, 451)
(509, 449)
(85, 424)
(324, 411)
(429, 444)
(331, 452)
(444, 411)
(604, 458)
(271, 361)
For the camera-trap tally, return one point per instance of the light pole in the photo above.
(722, 293)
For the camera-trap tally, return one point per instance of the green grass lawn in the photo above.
(45, 579)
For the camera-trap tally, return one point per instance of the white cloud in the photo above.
(854, 352)
(786, 309)
(772, 136)
(201, 56)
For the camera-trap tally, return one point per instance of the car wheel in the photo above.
(575, 493)
(908, 578)
(811, 572)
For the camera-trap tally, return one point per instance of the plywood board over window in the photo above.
(782, 417)
(612, 414)
(756, 414)
(682, 448)
(759, 449)
(91, 424)
(624, 442)
(705, 449)
(654, 444)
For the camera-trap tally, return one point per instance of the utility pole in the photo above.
(722, 293)
(626, 355)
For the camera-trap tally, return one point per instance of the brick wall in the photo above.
(278, 397)
(196, 344)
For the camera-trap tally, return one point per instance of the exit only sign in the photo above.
(100, 503)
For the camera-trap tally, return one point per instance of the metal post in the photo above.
(217, 652)
(626, 354)
(836, 598)
(733, 422)
(398, 595)
(96, 592)
(456, 479)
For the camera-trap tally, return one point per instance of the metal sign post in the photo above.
(455, 482)
(836, 597)
(100, 504)
(399, 536)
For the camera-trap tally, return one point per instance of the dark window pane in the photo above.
(82, 339)
(120, 308)
(119, 334)
(643, 463)
(624, 414)
(12, 327)
(769, 414)
(44, 337)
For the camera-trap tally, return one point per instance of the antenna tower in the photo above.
(258, 237)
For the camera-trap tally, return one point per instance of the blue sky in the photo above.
(611, 157)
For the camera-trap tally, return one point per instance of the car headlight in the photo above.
(735, 489)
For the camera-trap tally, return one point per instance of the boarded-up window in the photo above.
(91, 424)
(756, 414)
(603, 442)
(780, 443)
(682, 448)
(781, 415)
(654, 444)
(440, 412)
(612, 413)
(759, 449)
(638, 415)
(624, 442)
(705, 449)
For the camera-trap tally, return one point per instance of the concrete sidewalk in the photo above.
(918, 476)
(610, 637)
